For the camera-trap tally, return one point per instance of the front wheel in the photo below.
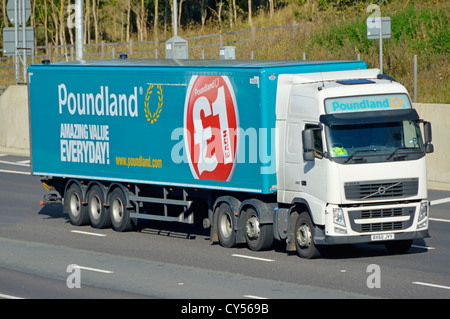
(304, 237)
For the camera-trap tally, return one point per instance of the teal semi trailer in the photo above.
(226, 143)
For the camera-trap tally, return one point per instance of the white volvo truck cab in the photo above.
(351, 164)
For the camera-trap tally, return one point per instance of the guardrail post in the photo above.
(103, 49)
(50, 52)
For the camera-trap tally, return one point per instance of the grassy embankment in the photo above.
(418, 28)
(328, 33)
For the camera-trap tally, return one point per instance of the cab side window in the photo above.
(318, 145)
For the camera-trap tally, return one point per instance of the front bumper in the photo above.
(322, 239)
(399, 220)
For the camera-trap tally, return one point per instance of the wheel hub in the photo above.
(253, 229)
(304, 236)
(95, 207)
(225, 225)
(117, 209)
(75, 204)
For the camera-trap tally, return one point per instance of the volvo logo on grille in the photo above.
(382, 190)
(365, 190)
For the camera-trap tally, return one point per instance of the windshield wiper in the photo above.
(359, 151)
(396, 150)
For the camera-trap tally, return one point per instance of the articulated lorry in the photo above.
(310, 153)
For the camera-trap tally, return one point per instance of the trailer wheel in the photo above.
(73, 206)
(225, 226)
(259, 237)
(98, 214)
(118, 211)
(304, 237)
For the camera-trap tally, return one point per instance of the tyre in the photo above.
(118, 211)
(73, 206)
(225, 226)
(304, 237)
(98, 214)
(259, 237)
(398, 246)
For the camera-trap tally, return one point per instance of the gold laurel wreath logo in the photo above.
(398, 104)
(153, 117)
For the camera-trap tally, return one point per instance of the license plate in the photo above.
(383, 237)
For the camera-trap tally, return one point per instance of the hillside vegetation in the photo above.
(325, 30)
(339, 33)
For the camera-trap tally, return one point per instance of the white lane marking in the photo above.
(9, 296)
(94, 269)
(24, 162)
(423, 247)
(440, 201)
(440, 220)
(14, 172)
(15, 163)
(3, 155)
(254, 297)
(251, 257)
(87, 233)
(430, 285)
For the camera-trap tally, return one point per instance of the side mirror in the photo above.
(427, 132)
(429, 148)
(308, 145)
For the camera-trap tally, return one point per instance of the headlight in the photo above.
(423, 213)
(338, 216)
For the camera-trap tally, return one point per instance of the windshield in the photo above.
(374, 142)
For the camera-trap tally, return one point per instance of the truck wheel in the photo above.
(304, 238)
(119, 213)
(98, 215)
(259, 237)
(73, 206)
(225, 226)
(398, 246)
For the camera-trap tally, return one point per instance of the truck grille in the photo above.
(374, 213)
(381, 227)
(381, 213)
(381, 189)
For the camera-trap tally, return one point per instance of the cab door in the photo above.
(293, 155)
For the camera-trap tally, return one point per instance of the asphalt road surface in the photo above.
(43, 256)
